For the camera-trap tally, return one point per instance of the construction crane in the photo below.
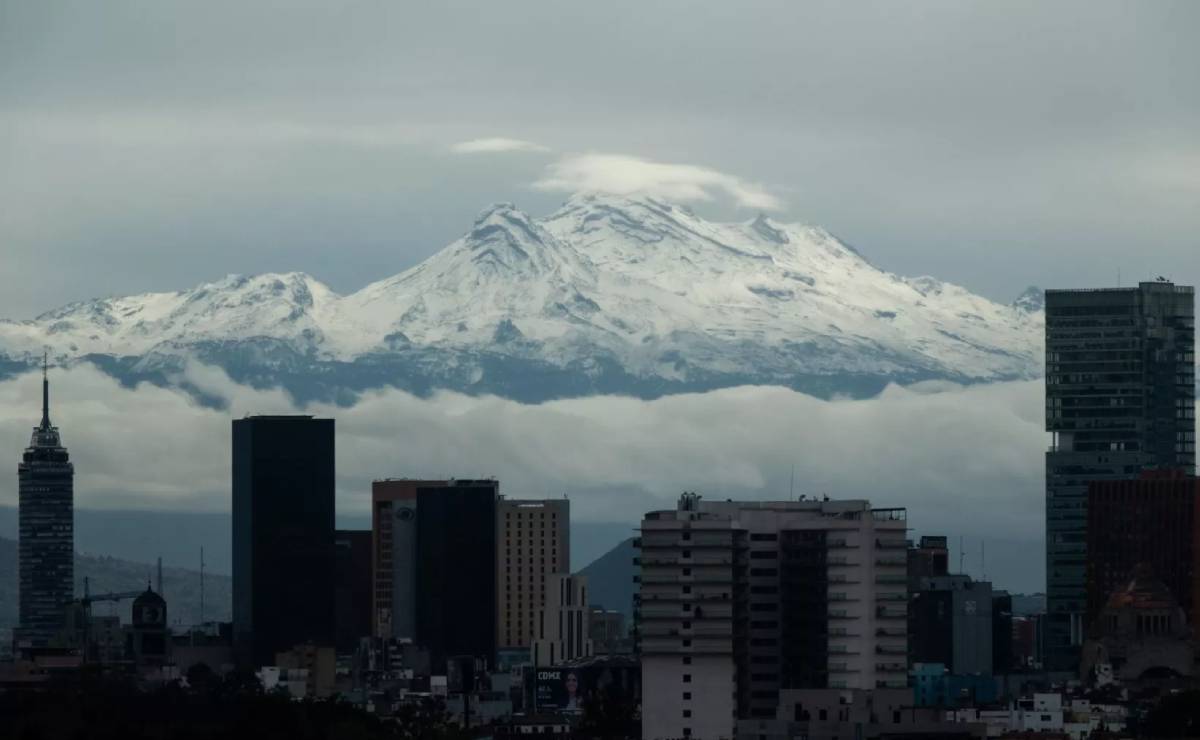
(85, 603)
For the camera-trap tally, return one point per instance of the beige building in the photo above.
(740, 599)
(533, 541)
(564, 623)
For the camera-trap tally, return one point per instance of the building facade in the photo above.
(1120, 399)
(740, 600)
(533, 542)
(564, 623)
(283, 536)
(394, 556)
(352, 583)
(46, 530)
(456, 570)
(951, 618)
(1148, 521)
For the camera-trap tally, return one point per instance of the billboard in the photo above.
(559, 689)
(571, 687)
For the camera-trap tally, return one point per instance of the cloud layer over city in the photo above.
(963, 460)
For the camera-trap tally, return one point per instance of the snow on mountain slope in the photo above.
(624, 294)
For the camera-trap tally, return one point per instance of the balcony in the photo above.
(892, 668)
(840, 614)
(891, 650)
(891, 544)
(891, 562)
(887, 578)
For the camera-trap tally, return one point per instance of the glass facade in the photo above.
(1120, 399)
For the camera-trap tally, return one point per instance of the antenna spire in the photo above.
(45, 390)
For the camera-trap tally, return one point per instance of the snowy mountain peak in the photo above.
(1031, 300)
(626, 294)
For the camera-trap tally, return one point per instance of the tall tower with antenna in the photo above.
(46, 525)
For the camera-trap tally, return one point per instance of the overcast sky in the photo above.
(151, 145)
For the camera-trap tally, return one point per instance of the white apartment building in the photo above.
(564, 623)
(738, 600)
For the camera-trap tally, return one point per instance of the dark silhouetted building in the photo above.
(283, 541)
(456, 570)
(46, 529)
(352, 587)
(1120, 399)
(1003, 661)
(928, 558)
(1151, 521)
(394, 556)
(951, 622)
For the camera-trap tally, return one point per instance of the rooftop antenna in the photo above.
(961, 554)
(792, 485)
(45, 389)
(201, 584)
(160, 575)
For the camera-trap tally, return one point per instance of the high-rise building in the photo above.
(740, 600)
(951, 624)
(46, 529)
(533, 542)
(1120, 399)
(394, 556)
(563, 624)
(434, 565)
(353, 587)
(456, 570)
(1151, 521)
(283, 535)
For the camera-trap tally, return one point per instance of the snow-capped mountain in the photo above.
(607, 294)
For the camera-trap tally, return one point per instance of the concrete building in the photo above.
(394, 556)
(533, 541)
(738, 600)
(434, 564)
(46, 533)
(1120, 399)
(283, 525)
(1153, 521)
(951, 622)
(563, 623)
(608, 632)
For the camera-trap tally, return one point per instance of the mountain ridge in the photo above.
(607, 294)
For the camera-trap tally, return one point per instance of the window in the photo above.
(687, 713)
(687, 696)
(687, 660)
(687, 678)
(821, 714)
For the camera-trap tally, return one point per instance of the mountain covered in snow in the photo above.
(608, 294)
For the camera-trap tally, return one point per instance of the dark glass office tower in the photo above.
(283, 535)
(1120, 399)
(46, 527)
(456, 569)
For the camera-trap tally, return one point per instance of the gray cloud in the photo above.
(496, 145)
(965, 461)
(153, 145)
(626, 175)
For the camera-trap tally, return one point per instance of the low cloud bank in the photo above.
(964, 460)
